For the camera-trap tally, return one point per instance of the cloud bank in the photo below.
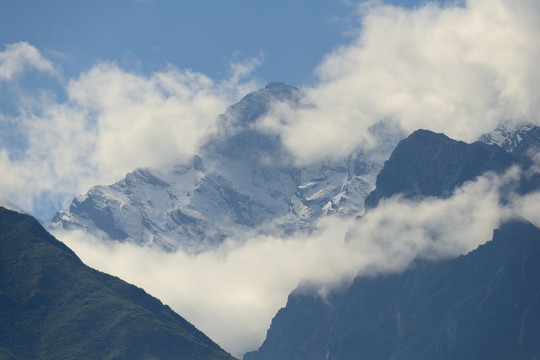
(231, 293)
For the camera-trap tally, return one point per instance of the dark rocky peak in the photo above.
(431, 164)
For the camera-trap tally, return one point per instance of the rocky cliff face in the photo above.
(430, 164)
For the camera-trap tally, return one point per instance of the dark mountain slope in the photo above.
(431, 164)
(52, 306)
(484, 305)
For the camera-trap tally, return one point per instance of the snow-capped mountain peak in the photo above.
(244, 181)
(517, 139)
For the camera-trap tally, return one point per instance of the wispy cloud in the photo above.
(20, 56)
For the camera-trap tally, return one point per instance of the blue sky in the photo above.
(290, 37)
(203, 36)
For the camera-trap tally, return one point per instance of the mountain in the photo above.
(52, 306)
(431, 164)
(243, 181)
(483, 305)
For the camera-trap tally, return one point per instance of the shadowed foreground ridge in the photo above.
(52, 306)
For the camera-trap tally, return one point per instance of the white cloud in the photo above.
(400, 230)
(112, 122)
(453, 69)
(19, 56)
(528, 207)
(232, 293)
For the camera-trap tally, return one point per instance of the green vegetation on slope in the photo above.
(52, 306)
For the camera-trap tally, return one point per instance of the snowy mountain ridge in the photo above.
(517, 139)
(243, 182)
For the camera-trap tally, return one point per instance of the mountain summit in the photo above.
(243, 181)
(431, 164)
